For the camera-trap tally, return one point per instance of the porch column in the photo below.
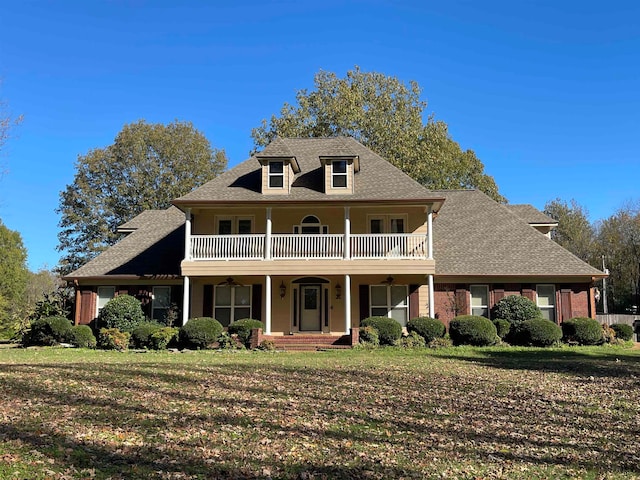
(185, 301)
(187, 234)
(267, 313)
(430, 233)
(347, 304)
(432, 307)
(267, 237)
(347, 234)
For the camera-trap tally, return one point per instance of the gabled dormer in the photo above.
(278, 167)
(339, 174)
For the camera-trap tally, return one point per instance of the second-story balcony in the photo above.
(394, 246)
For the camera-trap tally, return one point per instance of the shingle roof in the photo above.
(531, 214)
(139, 221)
(155, 248)
(377, 179)
(474, 235)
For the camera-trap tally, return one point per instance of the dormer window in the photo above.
(339, 174)
(276, 174)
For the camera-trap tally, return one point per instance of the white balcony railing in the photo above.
(289, 247)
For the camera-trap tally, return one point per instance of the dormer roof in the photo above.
(278, 150)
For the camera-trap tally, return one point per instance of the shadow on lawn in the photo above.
(256, 402)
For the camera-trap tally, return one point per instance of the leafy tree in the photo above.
(13, 278)
(147, 166)
(385, 115)
(574, 231)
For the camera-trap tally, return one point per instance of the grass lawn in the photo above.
(450, 413)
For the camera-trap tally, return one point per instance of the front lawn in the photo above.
(450, 413)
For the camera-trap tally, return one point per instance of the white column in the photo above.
(347, 234)
(187, 234)
(430, 233)
(267, 313)
(432, 307)
(347, 303)
(267, 237)
(186, 304)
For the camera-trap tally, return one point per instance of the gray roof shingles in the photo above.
(531, 214)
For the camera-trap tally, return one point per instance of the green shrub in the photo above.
(472, 330)
(123, 312)
(516, 309)
(413, 340)
(199, 333)
(141, 335)
(267, 346)
(369, 335)
(388, 329)
(243, 328)
(537, 332)
(502, 327)
(428, 328)
(49, 331)
(444, 342)
(582, 330)
(227, 342)
(113, 339)
(162, 338)
(623, 331)
(83, 337)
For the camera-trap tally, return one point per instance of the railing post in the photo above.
(347, 235)
(267, 238)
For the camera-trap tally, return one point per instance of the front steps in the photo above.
(301, 342)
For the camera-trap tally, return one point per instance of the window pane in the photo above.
(340, 166)
(549, 313)
(276, 167)
(399, 315)
(161, 297)
(546, 295)
(276, 181)
(224, 227)
(479, 296)
(481, 312)
(310, 219)
(223, 315)
(340, 181)
(376, 225)
(379, 312)
(310, 299)
(242, 296)
(310, 230)
(379, 295)
(240, 313)
(244, 226)
(397, 225)
(398, 295)
(223, 295)
(104, 295)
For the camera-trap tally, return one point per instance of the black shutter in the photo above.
(207, 301)
(256, 302)
(364, 301)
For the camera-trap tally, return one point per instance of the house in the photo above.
(311, 235)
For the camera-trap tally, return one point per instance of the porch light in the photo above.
(283, 290)
(338, 291)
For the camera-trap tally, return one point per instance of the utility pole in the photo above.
(605, 308)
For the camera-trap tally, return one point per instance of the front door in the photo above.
(310, 308)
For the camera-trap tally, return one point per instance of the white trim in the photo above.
(235, 223)
(471, 297)
(389, 306)
(113, 294)
(267, 313)
(347, 303)
(553, 308)
(232, 306)
(340, 174)
(187, 234)
(386, 221)
(431, 297)
(153, 300)
(275, 175)
(185, 301)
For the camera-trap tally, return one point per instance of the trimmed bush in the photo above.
(162, 338)
(141, 335)
(582, 330)
(428, 328)
(502, 327)
(49, 331)
(369, 336)
(623, 331)
(388, 329)
(200, 332)
(83, 337)
(123, 312)
(516, 309)
(472, 330)
(243, 328)
(113, 339)
(413, 340)
(537, 332)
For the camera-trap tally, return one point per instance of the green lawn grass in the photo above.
(449, 413)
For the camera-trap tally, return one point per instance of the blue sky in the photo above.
(547, 93)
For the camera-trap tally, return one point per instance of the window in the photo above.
(235, 225)
(232, 302)
(387, 223)
(390, 301)
(104, 295)
(480, 300)
(310, 225)
(160, 303)
(339, 174)
(276, 174)
(547, 301)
